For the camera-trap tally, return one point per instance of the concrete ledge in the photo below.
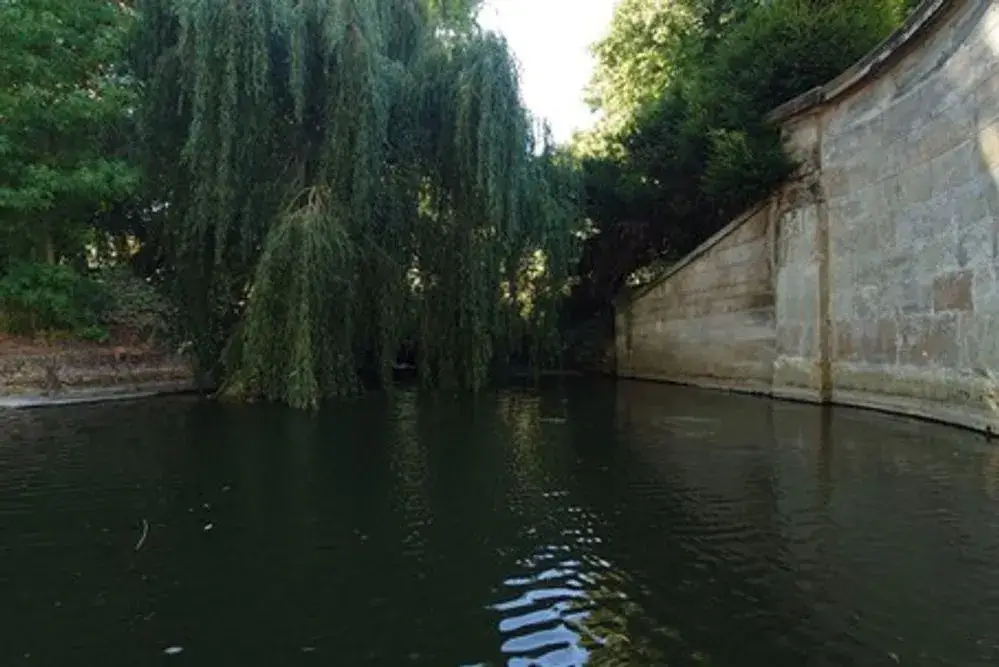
(974, 419)
(928, 411)
(41, 376)
(718, 384)
(752, 387)
(797, 394)
(96, 395)
(973, 415)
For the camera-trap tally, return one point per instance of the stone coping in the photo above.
(96, 395)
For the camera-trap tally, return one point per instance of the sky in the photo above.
(551, 40)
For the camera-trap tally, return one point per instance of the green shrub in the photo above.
(94, 333)
(46, 297)
(703, 148)
(36, 298)
(137, 310)
(782, 49)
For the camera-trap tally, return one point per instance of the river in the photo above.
(592, 523)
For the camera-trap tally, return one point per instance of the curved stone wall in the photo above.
(873, 278)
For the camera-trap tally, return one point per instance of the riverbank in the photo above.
(35, 374)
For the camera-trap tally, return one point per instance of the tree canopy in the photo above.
(685, 87)
(63, 101)
(346, 178)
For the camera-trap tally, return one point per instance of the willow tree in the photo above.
(345, 177)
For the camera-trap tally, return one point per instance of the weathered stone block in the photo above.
(937, 94)
(933, 255)
(952, 291)
(972, 203)
(841, 300)
(976, 241)
(789, 338)
(796, 239)
(916, 298)
(929, 340)
(902, 118)
(843, 180)
(915, 184)
(880, 341)
(854, 145)
(868, 341)
(946, 132)
(953, 169)
(894, 199)
(985, 291)
(980, 342)
(843, 347)
(886, 238)
(867, 302)
(859, 108)
(917, 66)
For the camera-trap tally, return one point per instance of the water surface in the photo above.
(587, 524)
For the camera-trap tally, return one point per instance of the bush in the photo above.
(94, 333)
(36, 298)
(49, 297)
(137, 310)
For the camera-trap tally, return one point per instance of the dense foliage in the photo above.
(64, 102)
(684, 143)
(347, 178)
(135, 310)
(40, 298)
(49, 297)
(66, 128)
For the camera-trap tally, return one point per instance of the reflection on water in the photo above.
(590, 524)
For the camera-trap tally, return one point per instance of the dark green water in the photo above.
(600, 524)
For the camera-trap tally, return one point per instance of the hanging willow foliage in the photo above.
(345, 178)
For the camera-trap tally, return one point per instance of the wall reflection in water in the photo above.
(832, 535)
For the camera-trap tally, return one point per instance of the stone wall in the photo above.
(70, 375)
(873, 278)
(711, 322)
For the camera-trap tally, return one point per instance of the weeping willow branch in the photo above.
(348, 177)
